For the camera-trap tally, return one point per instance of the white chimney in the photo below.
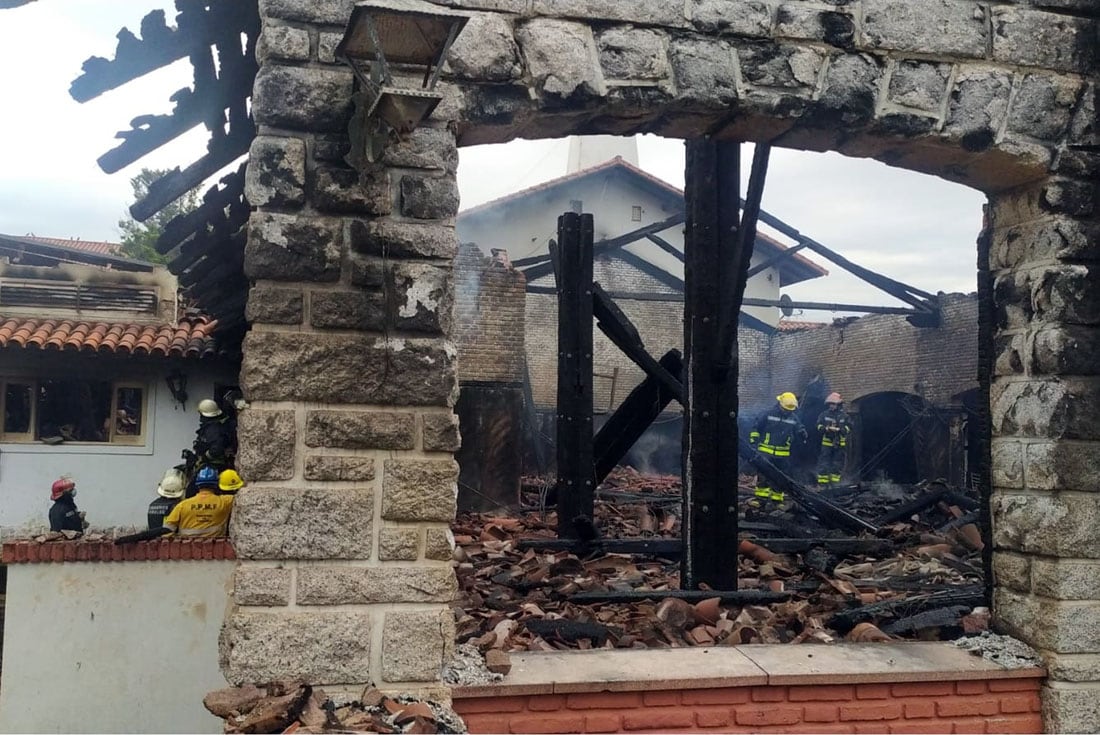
(586, 151)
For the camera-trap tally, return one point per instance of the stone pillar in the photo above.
(1045, 406)
(343, 530)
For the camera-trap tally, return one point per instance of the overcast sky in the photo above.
(912, 227)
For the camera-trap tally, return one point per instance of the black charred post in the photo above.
(711, 269)
(576, 478)
(633, 416)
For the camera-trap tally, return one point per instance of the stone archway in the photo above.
(343, 533)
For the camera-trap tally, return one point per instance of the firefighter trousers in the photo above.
(763, 487)
(830, 463)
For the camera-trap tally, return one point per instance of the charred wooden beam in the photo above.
(227, 193)
(665, 245)
(902, 291)
(970, 596)
(842, 546)
(712, 267)
(176, 183)
(775, 259)
(633, 416)
(735, 597)
(829, 512)
(624, 335)
(540, 265)
(158, 46)
(672, 548)
(576, 481)
(746, 238)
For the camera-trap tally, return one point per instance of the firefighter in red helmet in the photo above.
(834, 426)
(64, 515)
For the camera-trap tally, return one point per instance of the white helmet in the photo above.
(171, 485)
(208, 407)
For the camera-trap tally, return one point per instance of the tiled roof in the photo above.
(788, 325)
(90, 246)
(35, 552)
(191, 337)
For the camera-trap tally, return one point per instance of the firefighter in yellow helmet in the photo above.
(772, 435)
(229, 482)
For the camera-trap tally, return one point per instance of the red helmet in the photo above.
(60, 487)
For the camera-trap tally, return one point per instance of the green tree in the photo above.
(139, 238)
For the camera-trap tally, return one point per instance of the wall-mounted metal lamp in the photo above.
(384, 33)
(177, 386)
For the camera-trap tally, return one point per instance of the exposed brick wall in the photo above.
(489, 318)
(884, 353)
(993, 706)
(33, 552)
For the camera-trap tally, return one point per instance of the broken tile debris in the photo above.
(290, 706)
(920, 578)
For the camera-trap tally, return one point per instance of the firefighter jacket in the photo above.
(775, 430)
(204, 516)
(216, 442)
(64, 516)
(834, 427)
(159, 510)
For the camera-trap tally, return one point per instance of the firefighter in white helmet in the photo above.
(169, 492)
(834, 426)
(216, 438)
(772, 435)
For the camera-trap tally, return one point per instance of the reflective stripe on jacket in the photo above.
(774, 432)
(838, 421)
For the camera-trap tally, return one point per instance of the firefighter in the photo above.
(772, 435)
(169, 491)
(215, 439)
(64, 515)
(204, 516)
(835, 427)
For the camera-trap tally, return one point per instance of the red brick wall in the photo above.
(489, 301)
(885, 353)
(174, 549)
(993, 706)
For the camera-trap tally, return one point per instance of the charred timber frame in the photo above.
(576, 485)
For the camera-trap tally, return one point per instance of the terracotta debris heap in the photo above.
(920, 577)
(286, 707)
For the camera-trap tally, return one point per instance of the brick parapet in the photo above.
(984, 706)
(79, 550)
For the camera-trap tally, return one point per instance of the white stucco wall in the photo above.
(114, 483)
(524, 228)
(112, 647)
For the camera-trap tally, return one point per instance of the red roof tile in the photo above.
(90, 246)
(191, 337)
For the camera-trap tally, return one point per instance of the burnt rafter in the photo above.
(217, 99)
(218, 38)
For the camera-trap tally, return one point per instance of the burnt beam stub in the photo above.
(576, 478)
(712, 266)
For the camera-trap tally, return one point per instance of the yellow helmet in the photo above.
(230, 481)
(787, 400)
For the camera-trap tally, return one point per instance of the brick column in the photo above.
(343, 530)
(1045, 404)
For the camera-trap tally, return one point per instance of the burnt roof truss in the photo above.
(218, 37)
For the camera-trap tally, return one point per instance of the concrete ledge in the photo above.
(754, 665)
(78, 550)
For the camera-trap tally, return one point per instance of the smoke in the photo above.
(884, 487)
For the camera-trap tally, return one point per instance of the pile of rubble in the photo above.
(286, 707)
(798, 580)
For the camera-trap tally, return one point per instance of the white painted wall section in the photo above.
(112, 647)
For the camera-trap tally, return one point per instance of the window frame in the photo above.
(114, 440)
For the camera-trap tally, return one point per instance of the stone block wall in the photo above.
(489, 328)
(351, 307)
(343, 530)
